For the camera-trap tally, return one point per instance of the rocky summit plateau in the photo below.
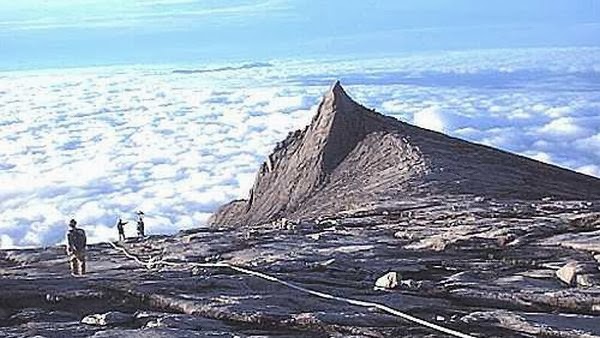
(357, 206)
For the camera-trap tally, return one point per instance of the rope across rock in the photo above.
(356, 302)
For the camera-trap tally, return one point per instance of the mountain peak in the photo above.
(337, 90)
(340, 123)
(336, 98)
(351, 157)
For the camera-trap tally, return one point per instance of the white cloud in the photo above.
(6, 242)
(563, 126)
(430, 118)
(100, 143)
(589, 145)
(556, 112)
(590, 169)
(540, 156)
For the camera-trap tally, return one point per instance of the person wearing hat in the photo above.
(121, 230)
(140, 224)
(76, 245)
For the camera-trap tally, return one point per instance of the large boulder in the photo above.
(387, 281)
(568, 273)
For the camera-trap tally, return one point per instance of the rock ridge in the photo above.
(350, 157)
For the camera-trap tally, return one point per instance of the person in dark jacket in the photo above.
(140, 224)
(121, 230)
(76, 247)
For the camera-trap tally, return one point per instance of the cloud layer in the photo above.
(99, 143)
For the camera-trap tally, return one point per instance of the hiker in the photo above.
(76, 242)
(120, 225)
(140, 224)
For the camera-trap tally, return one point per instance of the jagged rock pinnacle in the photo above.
(340, 123)
(337, 89)
(336, 97)
(350, 156)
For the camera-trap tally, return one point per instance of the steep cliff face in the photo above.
(351, 157)
(304, 162)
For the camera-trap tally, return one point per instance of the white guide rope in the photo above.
(319, 294)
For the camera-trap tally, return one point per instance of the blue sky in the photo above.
(61, 33)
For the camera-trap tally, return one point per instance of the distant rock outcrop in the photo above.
(351, 157)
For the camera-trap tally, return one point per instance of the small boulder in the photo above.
(108, 319)
(568, 273)
(387, 281)
(586, 280)
(405, 234)
(580, 274)
(315, 236)
(410, 284)
(143, 317)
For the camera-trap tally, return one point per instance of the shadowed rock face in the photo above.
(305, 162)
(351, 157)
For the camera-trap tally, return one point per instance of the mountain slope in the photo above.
(351, 157)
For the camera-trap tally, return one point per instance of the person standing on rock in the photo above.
(121, 230)
(76, 245)
(140, 224)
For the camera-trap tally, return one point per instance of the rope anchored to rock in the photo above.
(356, 302)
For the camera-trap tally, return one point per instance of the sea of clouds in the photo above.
(177, 141)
